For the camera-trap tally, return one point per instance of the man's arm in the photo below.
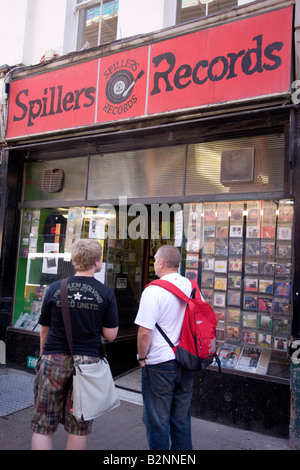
(110, 333)
(143, 342)
(43, 336)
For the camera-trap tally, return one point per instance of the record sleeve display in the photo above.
(244, 271)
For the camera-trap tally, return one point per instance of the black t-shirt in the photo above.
(92, 305)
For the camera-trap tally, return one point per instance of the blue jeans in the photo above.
(167, 393)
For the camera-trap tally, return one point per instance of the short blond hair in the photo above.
(84, 253)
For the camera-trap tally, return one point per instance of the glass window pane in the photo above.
(44, 257)
(98, 24)
(193, 9)
(240, 253)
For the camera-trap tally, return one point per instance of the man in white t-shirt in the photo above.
(167, 387)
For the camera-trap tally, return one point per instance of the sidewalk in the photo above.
(122, 429)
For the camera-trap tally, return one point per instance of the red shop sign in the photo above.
(61, 99)
(236, 61)
(239, 60)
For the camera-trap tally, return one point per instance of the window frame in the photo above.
(80, 8)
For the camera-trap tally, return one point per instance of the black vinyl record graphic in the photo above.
(117, 88)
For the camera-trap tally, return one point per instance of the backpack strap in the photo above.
(171, 288)
(164, 335)
(176, 291)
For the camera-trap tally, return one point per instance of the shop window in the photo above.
(204, 165)
(44, 257)
(241, 253)
(97, 22)
(193, 9)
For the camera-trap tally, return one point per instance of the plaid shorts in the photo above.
(53, 395)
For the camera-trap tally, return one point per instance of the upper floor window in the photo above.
(193, 9)
(97, 22)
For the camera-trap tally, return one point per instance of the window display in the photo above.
(240, 252)
(44, 256)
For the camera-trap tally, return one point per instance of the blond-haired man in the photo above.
(94, 313)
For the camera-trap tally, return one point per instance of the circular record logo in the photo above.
(119, 89)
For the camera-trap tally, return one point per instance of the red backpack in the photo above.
(197, 346)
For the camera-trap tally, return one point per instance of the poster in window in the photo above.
(252, 248)
(209, 231)
(282, 269)
(254, 359)
(284, 233)
(251, 284)
(249, 320)
(236, 212)
(235, 248)
(192, 260)
(282, 288)
(219, 299)
(286, 212)
(251, 267)
(265, 322)
(207, 279)
(234, 298)
(284, 251)
(220, 283)
(235, 264)
(209, 247)
(233, 315)
(50, 263)
(267, 268)
(236, 231)
(221, 248)
(280, 344)
(249, 337)
(268, 231)
(209, 264)
(250, 302)
(220, 266)
(234, 281)
(229, 354)
(266, 286)
(264, 340)
(265, 304)
(267, 248)
(280, 325)
(253, 231)
(222, 231)
(232, 332)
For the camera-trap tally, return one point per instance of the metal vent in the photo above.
(237, 166)
(53, 179)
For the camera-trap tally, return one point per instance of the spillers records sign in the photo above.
(122, 85)
(236, 61)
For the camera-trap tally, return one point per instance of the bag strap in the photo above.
(164, 335)
(171, 288)
(176, 291)
(66, 312)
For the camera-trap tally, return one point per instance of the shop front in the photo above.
(134, 169)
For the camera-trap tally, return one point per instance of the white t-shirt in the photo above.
(157, 305)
